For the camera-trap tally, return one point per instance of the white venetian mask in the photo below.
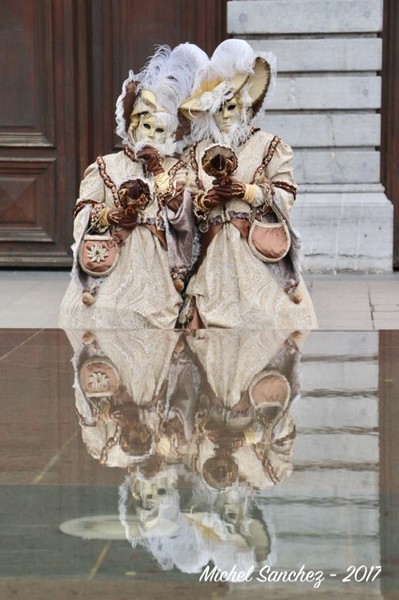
(229, 116)
(151, 130)
(157, 130)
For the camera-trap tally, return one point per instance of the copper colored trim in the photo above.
(107, 179)
(80, 206)
(194, 165)
(269, 155)
(286, 187)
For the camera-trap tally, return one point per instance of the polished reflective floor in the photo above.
(220, 464)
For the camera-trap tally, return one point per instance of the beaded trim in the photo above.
(194, 164)
(173, 170)
(251, 132)
(80, 205)
(146, 220)
(270, 471)
(130, 154)
(226, 217)
(109, 444)
(287, 438)
(269, 155)
(245, 216)
(107, 180)
(286, 187)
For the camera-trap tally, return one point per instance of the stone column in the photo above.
(326, 105)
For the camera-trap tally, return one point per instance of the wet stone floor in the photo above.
(215, 464)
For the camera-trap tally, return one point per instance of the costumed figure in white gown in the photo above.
(133, 225)
(248, 273)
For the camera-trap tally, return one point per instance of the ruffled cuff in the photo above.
(162, 181)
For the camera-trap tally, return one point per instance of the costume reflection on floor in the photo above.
(200, 423)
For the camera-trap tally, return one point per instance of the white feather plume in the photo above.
(233, 56)
(170, 73)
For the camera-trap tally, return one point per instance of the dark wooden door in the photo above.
(62, 64)
(37, 131)
(390, 115)
(123, 36)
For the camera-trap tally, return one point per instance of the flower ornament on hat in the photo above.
(158, 90)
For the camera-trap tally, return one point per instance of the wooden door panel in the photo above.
(27, 114)
(62, 64)
(37, 132)
(26, 200)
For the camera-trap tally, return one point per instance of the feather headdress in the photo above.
(234, 67)
(161, 86)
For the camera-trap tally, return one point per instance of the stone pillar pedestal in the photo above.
(326, 105)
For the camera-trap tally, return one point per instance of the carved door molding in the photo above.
(62, 64)
(39, 141)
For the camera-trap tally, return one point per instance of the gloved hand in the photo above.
(122, 217)
(134, 192)
(205, 202)
(152, 159)
(229, 189)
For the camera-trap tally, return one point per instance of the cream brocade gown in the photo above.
(232, 287)
(139, 293)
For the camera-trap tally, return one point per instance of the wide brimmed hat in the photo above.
(146, 102)
(213, 92)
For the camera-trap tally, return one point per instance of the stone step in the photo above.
(326, 54)
(342, 448)
(323, 130)
(345, 231)
(336, 166)
(308, 16)
(325, 92)
(338, 344)
(332, 377)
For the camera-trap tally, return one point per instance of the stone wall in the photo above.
(326, 104)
